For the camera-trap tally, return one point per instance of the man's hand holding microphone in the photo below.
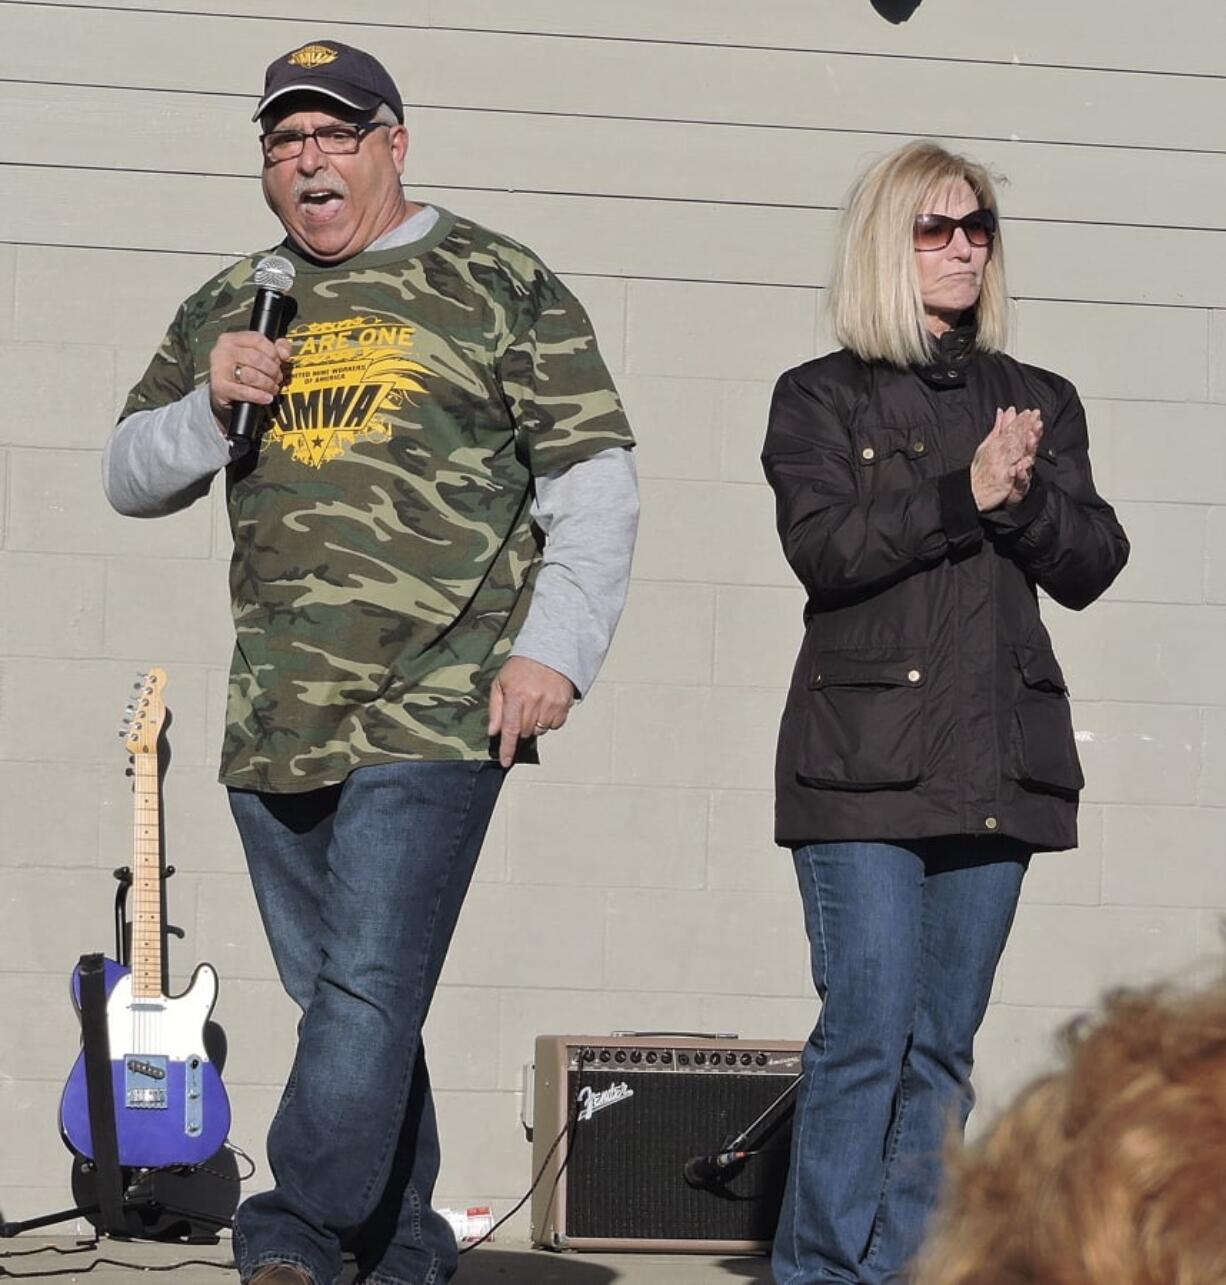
(247, 368)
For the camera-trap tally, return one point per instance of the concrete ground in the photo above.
(113, 1262)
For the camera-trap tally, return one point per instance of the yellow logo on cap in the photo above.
(313, 56)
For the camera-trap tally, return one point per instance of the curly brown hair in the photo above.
(1111, 1170)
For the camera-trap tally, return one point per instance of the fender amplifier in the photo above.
(663, 1142)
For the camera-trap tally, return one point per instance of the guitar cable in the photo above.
(88, 1247)
(566, 1131)
(523, 1200)
(232, 1147)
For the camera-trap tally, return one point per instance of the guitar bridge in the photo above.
(144, 1083)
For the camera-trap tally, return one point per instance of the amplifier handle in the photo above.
(675, 1035)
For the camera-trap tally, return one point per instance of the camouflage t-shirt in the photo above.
(383, 551)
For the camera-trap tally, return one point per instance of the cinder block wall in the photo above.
(680, 163)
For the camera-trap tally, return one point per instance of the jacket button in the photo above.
(991, 823)
(918, 448)
(913, 676)
(951, 374)
(868, 453)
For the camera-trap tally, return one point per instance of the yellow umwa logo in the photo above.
(313, 56)
(348, 377)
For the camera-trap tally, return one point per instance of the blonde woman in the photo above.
(926, 485)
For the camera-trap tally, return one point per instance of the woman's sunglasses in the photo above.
(936, 231)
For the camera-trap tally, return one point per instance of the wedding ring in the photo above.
(541, 729)
(238, 374)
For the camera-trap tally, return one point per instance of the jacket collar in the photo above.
(955, 350)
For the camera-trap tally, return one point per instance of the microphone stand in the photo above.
(711, 1172)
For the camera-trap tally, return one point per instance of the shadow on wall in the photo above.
(896, 10)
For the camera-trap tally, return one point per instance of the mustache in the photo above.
(319, 183)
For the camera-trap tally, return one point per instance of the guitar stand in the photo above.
(126, 1202)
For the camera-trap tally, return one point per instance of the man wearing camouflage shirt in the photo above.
(437, 405)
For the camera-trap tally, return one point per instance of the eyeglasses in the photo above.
(936, 231)
(334, 140)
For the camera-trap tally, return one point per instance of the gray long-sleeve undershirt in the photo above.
(160, 461)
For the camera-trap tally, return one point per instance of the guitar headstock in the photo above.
(145, 714)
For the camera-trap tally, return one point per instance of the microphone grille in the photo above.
(274, 273)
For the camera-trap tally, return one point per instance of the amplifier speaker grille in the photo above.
(624, 1184)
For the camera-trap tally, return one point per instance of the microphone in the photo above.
(274, 278)
(705, 1171)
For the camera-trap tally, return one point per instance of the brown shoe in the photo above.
(280, 1274)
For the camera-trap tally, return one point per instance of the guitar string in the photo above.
(147, 948)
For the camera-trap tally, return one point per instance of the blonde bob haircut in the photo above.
(874, 296)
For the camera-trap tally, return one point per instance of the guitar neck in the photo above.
(146, 880)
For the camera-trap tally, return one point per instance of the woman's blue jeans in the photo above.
(360, 886)
(904, 941)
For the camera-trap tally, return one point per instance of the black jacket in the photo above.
(926, 699)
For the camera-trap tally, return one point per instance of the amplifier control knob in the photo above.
(636, 1056)
(651, 1058)
(589, 1055)
(620, 1055)
(699, 1058)
(666, 1057)
(762, 1059)
(746, 1059)
(604, 1055)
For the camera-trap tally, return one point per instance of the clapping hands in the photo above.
(1003, 464)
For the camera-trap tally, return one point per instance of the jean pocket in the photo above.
(864, 724)
(1043, 749)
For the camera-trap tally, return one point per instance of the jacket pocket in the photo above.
(877, 444)
(863, 728)
(1044, 751)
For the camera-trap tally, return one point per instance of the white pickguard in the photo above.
(165, 1026)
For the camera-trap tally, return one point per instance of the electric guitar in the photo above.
(170, 1105)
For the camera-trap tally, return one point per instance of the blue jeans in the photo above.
(904, 941)
(360, 886)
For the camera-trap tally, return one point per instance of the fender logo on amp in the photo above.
(591, 1101)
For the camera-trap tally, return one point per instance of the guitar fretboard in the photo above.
(146, 881)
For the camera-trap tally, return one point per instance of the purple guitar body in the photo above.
(170, 1105)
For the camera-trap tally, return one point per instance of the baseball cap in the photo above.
(349, 75)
